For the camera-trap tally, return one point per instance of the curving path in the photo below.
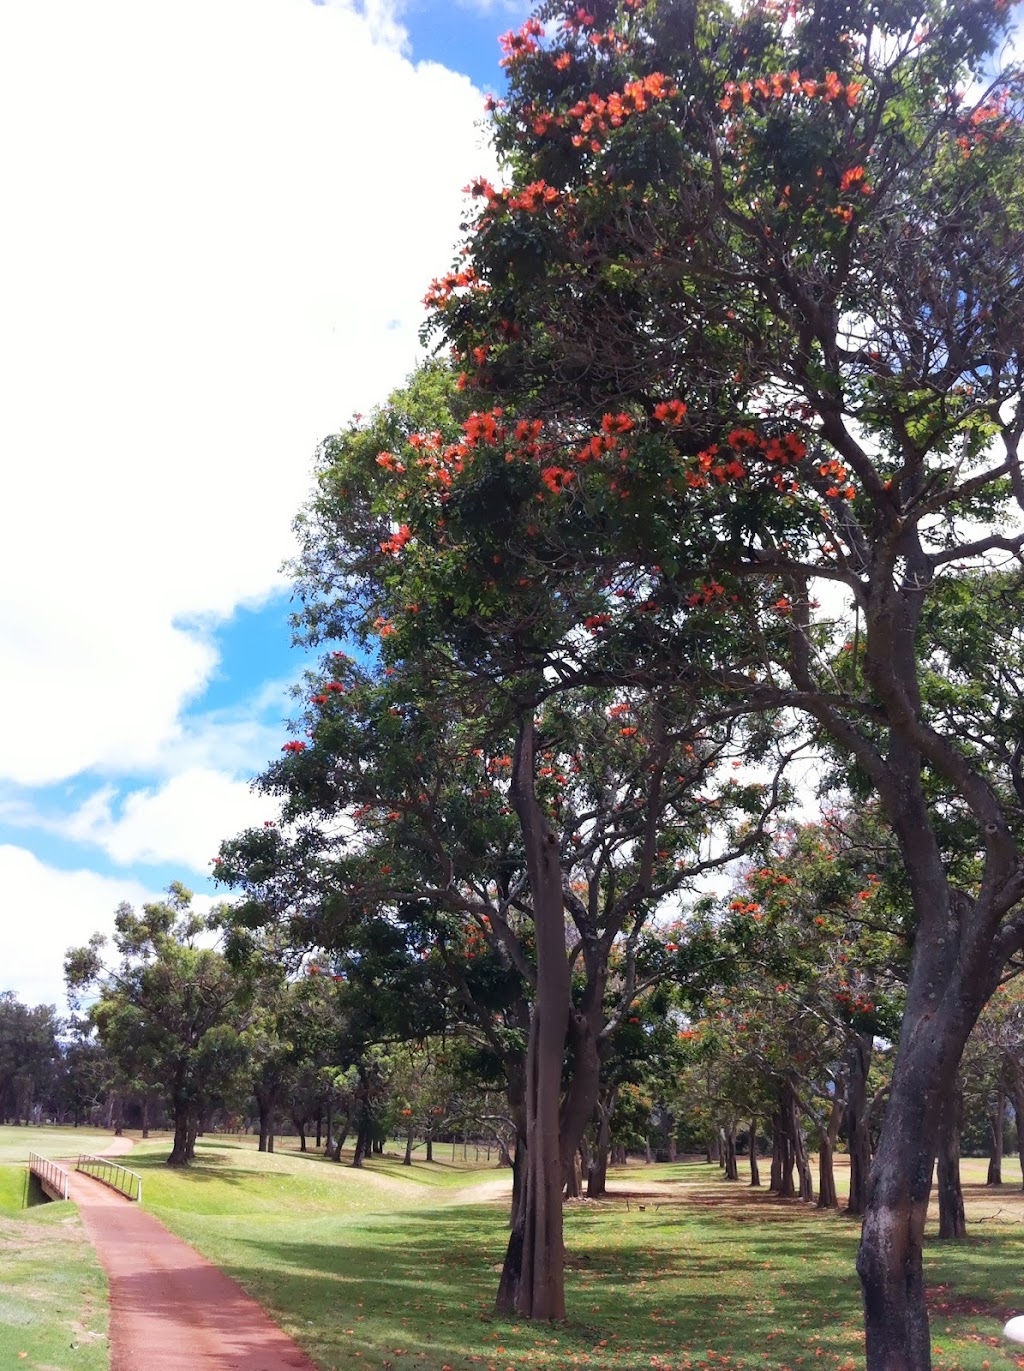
(170, 1309)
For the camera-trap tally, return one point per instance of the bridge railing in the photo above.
(110, 1173)
(52, 1175)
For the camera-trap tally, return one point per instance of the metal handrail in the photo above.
(117, 1177)
(50, 1172)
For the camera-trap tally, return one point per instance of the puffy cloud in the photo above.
(181, 821)
(222, 215)
(48, 911)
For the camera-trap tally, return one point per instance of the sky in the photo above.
(220, 219)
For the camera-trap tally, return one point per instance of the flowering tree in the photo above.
(748, 317)
(398, 817)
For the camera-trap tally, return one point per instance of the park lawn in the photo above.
(372, 1269)
(53, 1294)
(17, 1143)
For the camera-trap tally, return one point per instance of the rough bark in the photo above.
(755, 1170)
(732, 1170)
(952, 1218)
(597, 1174)
(858, 1134)
(533, 1279)
(995, 1128)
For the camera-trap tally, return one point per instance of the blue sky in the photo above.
(197, 294)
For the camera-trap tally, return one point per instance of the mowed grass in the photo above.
(53, 1294)
(392, 1267)
(17, 1143)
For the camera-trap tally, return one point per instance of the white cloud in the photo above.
(180, 822)
(46, 912)
(222, 215)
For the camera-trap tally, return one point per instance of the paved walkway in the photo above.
(170, 1309)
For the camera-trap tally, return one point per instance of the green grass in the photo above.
(17, 1143)
(387, 1269)
(53, 1295)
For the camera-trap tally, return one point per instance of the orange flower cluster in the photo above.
(854, 177)
(780, 84)
(598, 114)
(384, 626)
(708, 592)
(785, 450)
(595, 622)
(533, 197)
(555, 478)
(517, 46)
(389, 462)
(839, 473)
(671, 412)
(444, 287)
(393, 545)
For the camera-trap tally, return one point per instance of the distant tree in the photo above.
(29, 1056)
(168, 1004)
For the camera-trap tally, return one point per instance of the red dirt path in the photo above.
(170, 1309)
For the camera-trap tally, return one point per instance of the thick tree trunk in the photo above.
(183, 1150)
(932, 1037)
(574, 1178)
(407, 1159)
(755, 1170)
(776, 1176)
(827, 1198)
(1018, 1114)
(995, 1128)
(858, 1135)
(732, 1170)
(952, 1219)
(537, 1288)
(597, 1175)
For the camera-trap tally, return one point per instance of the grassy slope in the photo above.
(53, 1294)
(390, 1269)
(17, 1143)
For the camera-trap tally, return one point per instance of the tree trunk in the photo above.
(1018, 1114)
(858, 1135)
(934, 1030)
(995, 1128)
(776, 1177)
(533, 1280)
(574, 1178)
(597, 1175)
(755, 1170)
(407, 1159)
(183, 1150)
(827, 1198)
(732, 1170)
(952, 1219)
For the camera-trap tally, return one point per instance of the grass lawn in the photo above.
(53, 1295)
(17, 1143)
(391, 1268)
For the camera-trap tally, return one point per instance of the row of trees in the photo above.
(730, 473)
